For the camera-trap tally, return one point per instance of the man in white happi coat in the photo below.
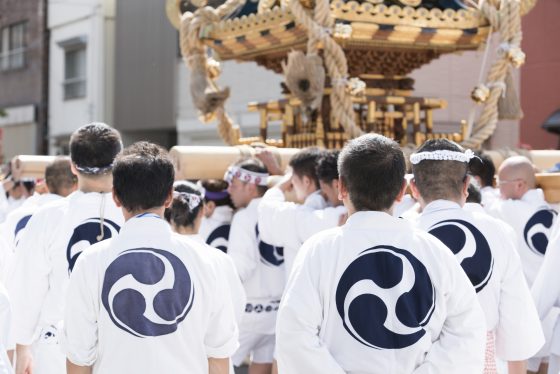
(148, 300)
(484, 246)
(55, 236)
(60, 182)
(377, 295)
(259, 265)
(13, 194)
(524, 208)
(546, 293)
(287, 224)
(218, 212)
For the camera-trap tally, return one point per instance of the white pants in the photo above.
(259, 346)
(48, 357)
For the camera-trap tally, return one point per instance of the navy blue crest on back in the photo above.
(270, 255)
(20, 226)
(470, 248)
(219, 238)
(385, 297)
(537, 229)
(86, 234)
(147, 292)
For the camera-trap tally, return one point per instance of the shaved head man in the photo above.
(516, 176)
(523, 207)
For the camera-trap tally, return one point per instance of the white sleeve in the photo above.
(546, 287)
(5, 317)
(310, 222)
(238, 296)
(519, 334)
(30, 282)
(277, 218)
(222, 335)
(299, 348)
(79, 337)
(241, 246)
(461, 345)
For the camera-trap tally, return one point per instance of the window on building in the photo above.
(75, 75)
(13, 46)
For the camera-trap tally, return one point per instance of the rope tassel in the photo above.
(509, 107)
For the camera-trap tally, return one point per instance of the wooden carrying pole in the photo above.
(27, 166)
(204, 162)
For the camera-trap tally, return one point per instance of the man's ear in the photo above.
(169, 199)
(400, 196)
(209, 208)
(466, 184)
(115, 197)
(73, 169)
(342, 190)
(414, 188)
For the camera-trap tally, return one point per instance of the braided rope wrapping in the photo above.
(342, 109)
(505, 17)
(207, 97)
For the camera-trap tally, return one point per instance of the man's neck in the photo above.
(425, 203)
(158, 211)
(100, 184)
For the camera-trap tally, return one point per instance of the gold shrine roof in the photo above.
(276, 32)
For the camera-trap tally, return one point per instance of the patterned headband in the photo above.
(94, 170)
(247, 176)
(193, 200)
(442, 155)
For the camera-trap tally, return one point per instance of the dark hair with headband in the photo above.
(440, 179)
(186, 205)
(254, 165)
(216, 190)
(93, 148)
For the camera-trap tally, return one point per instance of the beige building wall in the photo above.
(452, 77)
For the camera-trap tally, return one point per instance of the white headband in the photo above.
(193, 200)
(247, 176)
(442, 155)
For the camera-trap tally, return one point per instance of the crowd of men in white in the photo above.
(109, 265)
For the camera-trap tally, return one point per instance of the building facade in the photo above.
(81, 69)
(23, 83)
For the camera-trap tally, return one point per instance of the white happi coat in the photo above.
(546, 288)
(14, 226)
(5, 324)
(227, 268)
(261, 269)
(378, 296)
(288, 225)
(55, 236)
(486, 249)
(489, 195)
(532, 219)
(215, 229)
(148, 301)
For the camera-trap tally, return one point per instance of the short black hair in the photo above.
(372, 168)
(179, 212)
(474, 193)
(327, 166)
(143, 176)
(304, 163)
(483, 167)
(440, 179)
(255, 165)
(93, 148)
(59, 176)
(217, 185)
